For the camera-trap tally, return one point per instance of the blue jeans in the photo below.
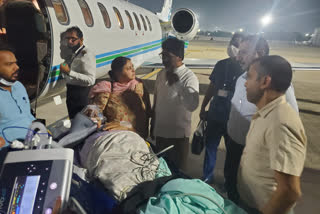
(215, 130)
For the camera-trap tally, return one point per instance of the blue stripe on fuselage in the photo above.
(56, 78)
(126, 49)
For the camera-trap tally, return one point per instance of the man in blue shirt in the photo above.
(14, 102)
(221, 88)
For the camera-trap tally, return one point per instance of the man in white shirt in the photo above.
(251, 47)
(176, 97)
(79, 70)
(274, 155)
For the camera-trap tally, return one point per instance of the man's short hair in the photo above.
(174, 46)
(63, 35)
(259, 44)
(6, 47)
(234, 39)
(77, 30)
(278, 68)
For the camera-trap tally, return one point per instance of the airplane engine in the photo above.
(185, 24)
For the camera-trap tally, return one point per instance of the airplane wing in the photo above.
(305, 66)
(189, 62)
(210, 63)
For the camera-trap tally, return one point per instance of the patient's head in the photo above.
(122, 70)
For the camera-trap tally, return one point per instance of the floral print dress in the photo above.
(127, 110)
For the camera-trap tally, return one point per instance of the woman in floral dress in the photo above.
(124, 100)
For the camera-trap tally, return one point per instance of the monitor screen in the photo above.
(24, 194)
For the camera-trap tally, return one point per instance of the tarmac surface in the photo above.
(307, 90)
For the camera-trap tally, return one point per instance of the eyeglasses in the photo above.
(73, 39)
(166, 55)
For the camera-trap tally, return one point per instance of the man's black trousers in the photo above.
(77, 99)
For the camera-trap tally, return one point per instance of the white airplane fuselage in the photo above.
(138, 34)
(106, 43)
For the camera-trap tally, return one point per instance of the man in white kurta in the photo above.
(176, 97)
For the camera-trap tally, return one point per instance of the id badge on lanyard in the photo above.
(223, 92)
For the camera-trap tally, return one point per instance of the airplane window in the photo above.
(86, 13)
(130, 20)
(144, 23)
(149, 23)
(119, 17)
(137, 20)
(61, 12)
(105, 15)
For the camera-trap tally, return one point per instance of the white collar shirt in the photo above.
(83, 68)
(174, 104)
(242, 110)
(276, 141)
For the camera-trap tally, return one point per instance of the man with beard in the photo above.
(14, 100)
(274, 155)
(176, 96)
(79, 70)
(251, 47)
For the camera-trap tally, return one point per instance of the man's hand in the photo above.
(3, 34)
(172, 77)
(2, 142)
(3, 31)
(64, 67)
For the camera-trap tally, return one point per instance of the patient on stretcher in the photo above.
(120, 159)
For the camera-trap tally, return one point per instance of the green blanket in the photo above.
(189, 196)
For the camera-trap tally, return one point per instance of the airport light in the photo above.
(241, 29)
(266, 20)
(199, 30)
(233, 33)
(307, 34)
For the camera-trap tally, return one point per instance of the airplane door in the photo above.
(27, 34)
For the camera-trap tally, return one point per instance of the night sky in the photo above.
(230, 15)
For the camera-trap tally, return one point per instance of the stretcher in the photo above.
(112, 190)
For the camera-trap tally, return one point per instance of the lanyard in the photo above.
(75, 55)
